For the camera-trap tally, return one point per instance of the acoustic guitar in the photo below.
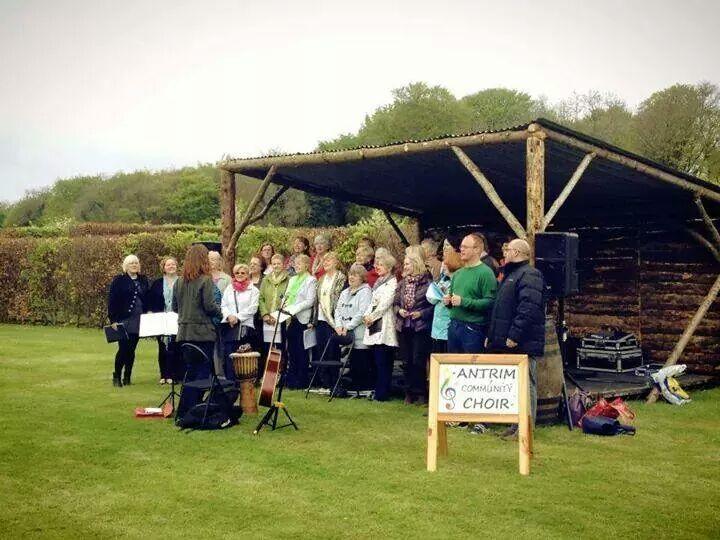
(270, 377)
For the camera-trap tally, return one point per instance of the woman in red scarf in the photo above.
(239, 305)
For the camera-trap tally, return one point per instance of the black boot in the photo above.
(116, 380)
(126, 377)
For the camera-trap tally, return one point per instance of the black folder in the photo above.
(113, 335)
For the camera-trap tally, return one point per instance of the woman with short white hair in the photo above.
(127, 300)
(321, 243)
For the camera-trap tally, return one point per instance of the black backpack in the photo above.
(209, 416)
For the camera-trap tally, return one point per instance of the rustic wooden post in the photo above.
(534, 184)
(227, 215)
(259, 194)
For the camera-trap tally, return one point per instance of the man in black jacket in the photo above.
(517, 324)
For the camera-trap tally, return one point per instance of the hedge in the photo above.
(63, 280)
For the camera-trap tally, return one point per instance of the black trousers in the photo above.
(384, 357)
(166, 357)
(125, 355)
(298, 363)
(325, 337)
(415, 348)
(362, 369)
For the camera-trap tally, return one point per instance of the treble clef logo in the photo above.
(448, 393)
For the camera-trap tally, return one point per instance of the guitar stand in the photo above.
(270, 418)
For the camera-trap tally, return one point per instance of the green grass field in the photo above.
(75, 463)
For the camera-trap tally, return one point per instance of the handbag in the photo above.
(239, 332)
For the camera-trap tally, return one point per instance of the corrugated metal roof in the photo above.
(520, 127)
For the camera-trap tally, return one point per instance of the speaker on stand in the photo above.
(556, 257)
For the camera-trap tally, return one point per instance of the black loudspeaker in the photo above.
(556, 257)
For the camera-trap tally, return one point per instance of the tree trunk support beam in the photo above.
(397, 229)
(534, 184)
(259, 194)
(708, 222)
(489, 190)
(227, 212)
(567, 190)
(279, 193)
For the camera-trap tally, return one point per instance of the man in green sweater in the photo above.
(470, 299)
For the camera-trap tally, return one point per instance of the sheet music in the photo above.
(159, 324)
(282, 317)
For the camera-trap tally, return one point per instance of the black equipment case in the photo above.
(611, 351)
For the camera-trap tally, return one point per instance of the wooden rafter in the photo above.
(633, 164)
(489, 190)
(565, 193)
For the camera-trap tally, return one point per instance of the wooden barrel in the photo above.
(549, 377)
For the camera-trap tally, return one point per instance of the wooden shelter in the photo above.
(649, 245)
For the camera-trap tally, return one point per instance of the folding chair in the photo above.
(343, 365)
(214, 386)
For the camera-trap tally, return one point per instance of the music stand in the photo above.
(172, 394)
(270, 418)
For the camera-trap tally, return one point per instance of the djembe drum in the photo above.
(246, 370)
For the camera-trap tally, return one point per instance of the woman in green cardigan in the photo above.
(272, 288)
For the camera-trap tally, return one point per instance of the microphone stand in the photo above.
(271, 416)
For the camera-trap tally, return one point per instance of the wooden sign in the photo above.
(487, 388)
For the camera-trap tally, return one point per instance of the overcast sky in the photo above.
(100, 86)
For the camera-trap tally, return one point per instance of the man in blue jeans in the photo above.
(470, 299)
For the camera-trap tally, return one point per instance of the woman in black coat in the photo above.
(127, 300)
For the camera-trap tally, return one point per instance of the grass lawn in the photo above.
(75, 463)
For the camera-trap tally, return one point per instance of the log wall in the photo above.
(649, 282)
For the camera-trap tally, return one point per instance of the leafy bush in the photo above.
(54, 278)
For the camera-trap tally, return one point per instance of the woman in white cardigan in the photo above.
(379, 321)
(239, 305)
(299, 302)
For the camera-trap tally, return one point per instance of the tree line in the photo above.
(678, 126)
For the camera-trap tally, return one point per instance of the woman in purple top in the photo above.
(413, 324)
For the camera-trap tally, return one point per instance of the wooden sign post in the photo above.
(487, 388)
